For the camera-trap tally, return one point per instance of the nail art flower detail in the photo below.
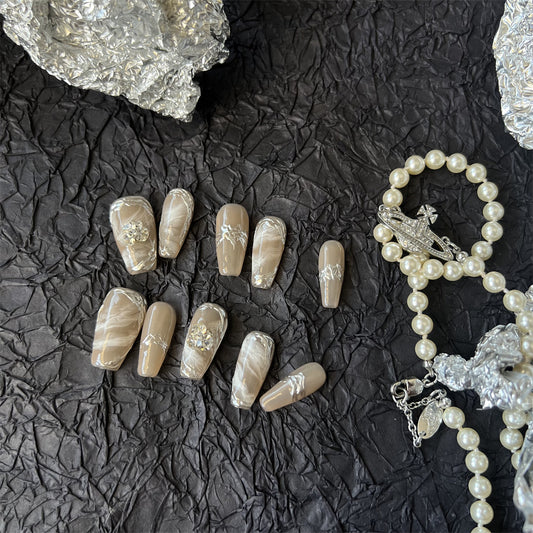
(200, 338)
(135, 232)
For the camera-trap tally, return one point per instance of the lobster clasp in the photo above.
(407, 388)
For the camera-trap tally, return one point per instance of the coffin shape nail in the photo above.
(119, 321)
(296, 386)
(269, 241)
(331, 272)
(176, 219)
(231, 238)
(133, 223)
(207, 327)
(252, 366)
(156, 335)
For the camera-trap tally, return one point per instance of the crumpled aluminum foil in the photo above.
(513, 50)
(145, 50)
(486, 374)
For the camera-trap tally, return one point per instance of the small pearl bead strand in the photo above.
(420, 269)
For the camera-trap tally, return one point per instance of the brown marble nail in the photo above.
(176, 219)
(232, 237)
(331, 272)
(156, 335)
(296, 386)
(133, 224)
(119, 321)
(269, 241)
(252, 366)
(207, 327)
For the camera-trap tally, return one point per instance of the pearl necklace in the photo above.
(414, 236)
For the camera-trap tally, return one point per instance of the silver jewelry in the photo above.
(503, 346)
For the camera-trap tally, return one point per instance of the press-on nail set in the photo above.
(123, 312)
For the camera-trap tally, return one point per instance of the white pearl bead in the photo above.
(487, 191)
(524, 368)
(477, 462)
(422, 324)
(468, 438)
(480, 529)
(432, 269)
(493, 211)
(456, 163)
(476, 173)
(482, 249)
(514, 301)
(410, 264)
(453, 417)
(494, 282)
(399, 177)
(417, 301)
(452, 271)
(435, 159)
(425, 349)
(391, 251)
(515, 459)
(492, 231)
(382, 233)
(414, 164)
(480, 487)
(526, 346)
(526, 403)
(511, 439)
(417, 281)
(524, 321)
(392, 198)
(481, 512)
(473, 266)
(514, 418)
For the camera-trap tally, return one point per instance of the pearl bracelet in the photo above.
(450, 262)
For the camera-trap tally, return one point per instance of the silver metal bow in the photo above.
(489, 374)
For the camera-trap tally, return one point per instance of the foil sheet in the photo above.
(145, 50)
(486, 372)
(513, 50)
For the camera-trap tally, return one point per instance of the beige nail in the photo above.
(207, 327)
(176, 219)
(231, 239)
(156, 335)
(269, 241)
(296, 386)
(252, 366)
(331, 272)
(119, 321)
(133, 223)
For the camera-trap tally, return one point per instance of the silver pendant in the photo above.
(430, 420)
(415, 236)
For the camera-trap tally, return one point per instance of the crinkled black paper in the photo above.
(315, 106)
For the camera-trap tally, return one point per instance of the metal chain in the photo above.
(403, 390)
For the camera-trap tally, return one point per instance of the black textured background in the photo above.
(317, 103)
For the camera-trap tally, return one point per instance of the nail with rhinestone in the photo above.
(207, 327)
(252, 366)
(133, 224)
(176, 219)
(269, 241)
(331, 272)
(231, 239)
(119, 321)
(156, 335)
(296, 386)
